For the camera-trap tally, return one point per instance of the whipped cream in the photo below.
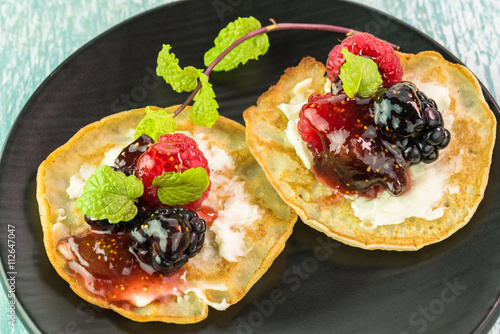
(228, 196)
(77, 181)
(235, 215)
(429, 181)
(301, 93)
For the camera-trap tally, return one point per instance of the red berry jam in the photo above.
(208, 214)
(107, 268)
(106, 264)
(349, 154)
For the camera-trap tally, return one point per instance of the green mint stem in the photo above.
(266, 29)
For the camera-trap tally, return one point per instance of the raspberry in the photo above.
(367, 45)
(171, 153)
(307, 115)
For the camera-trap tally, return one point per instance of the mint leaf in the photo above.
(204, 111)
(181, 80)
(109, 194)
(179, 188)
(359, 75)
(249, 49)
(155, 124)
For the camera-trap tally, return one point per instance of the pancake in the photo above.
(222, 273)
(467, 160)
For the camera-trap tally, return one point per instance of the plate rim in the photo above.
(487, 321)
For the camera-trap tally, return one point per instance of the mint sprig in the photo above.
(181, 79)
(109, 194)
(359, 75)
(204, 111)
(237, 36)
(251, 48)
(155, 124)
(179, 188)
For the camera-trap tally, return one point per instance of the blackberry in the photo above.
(167, 237)
(105, 226)
(408, 118)
(128, 157)
(397, 111)
(337, 88)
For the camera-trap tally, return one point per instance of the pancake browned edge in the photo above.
(473, 137)
(220, 281)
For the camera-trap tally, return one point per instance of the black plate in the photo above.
(450, 287)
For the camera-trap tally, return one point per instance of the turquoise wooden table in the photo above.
(36, 36)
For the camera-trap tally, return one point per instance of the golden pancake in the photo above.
(236, 252)
(462, 169)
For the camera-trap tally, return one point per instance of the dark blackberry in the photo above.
(397, 111)
(336, 87)
(167, 237)
(408, 118)
(446, 140)
(425, 101)
(434, 117)
(128, 157)
(431, 157)
(105, 225)
(412, 153)
(435, 136)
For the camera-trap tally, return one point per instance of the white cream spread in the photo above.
(217, 158)
(429, 181)
(141, 298)
(301, 93)
(235, 215)
(229, 198)
(429, 185)
(59, 230)
(77, 181)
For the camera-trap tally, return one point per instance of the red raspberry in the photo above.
(367, 45)
(309, 114)
(171, 153)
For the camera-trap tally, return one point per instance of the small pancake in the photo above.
(209, 278)
(473, 134)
